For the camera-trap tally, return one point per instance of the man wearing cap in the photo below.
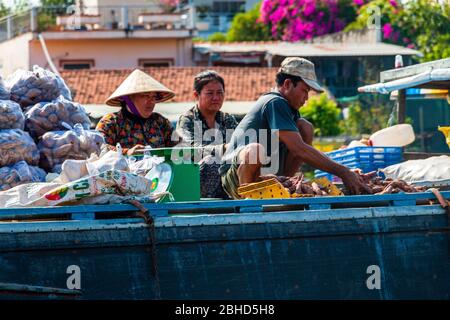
(272, 136)
(136, 125)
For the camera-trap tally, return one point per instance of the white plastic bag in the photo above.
(78, 144)
(45, 117)
(143, 166)
(40, 85)
(16, 145)
(72, 170)
(122, 185)
(433, 169)
(20, 173)
(11, 115)
(111, 160)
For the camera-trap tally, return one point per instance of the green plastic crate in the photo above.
(185, 185)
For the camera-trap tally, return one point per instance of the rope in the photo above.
(148, 218)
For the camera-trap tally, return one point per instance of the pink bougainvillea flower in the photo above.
(309, 8)
(393, 3)
(387, 30)
(358, 2)
(294, 20)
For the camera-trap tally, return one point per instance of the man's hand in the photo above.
(354, 183)
(139, 148)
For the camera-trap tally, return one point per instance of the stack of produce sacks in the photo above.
(4, 93)
(20, 173)
(30, 87)
(11, 116)
(49, 116)
(18, 152)
(57, 125)
(55, 147)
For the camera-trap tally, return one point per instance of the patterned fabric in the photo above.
(129, 130)
(193, 122)
(191, 127)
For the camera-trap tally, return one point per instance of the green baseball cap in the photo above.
(303, 68)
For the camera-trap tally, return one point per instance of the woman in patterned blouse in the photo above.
(204, 125)
(136, 125)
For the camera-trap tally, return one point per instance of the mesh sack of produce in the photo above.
(20, 173)
(17, 145)
(40, 85)
(11, 116)
(45, 117)
(77, 144)
(4, 93)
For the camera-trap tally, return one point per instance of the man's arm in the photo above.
(317, 159)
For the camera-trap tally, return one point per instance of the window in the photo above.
(228, 6)
(77, 64)
(148, 63)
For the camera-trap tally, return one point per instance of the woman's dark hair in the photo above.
(205, 77)
(281, 77)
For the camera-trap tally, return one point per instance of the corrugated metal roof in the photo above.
(309, 49)
(439, 77)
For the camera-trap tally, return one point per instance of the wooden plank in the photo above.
(394, 74)
(37, 289)
(239, 227)
(231, 205)
(83, 216)
(319, 206)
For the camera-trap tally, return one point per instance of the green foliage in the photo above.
(420, 24)
(198, 39)
(4, 10)
(218, 37)
(366, 12)
(49, 11)
(19, 5)
(324, 114)
(364, 118)
(247, 27)
(62, 3)
(45, 21)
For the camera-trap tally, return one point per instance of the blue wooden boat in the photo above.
(353, 247)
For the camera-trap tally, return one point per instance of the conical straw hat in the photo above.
(139, 82)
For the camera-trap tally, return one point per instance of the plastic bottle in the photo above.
(399, 135)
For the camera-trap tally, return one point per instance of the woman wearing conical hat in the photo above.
(136, 125)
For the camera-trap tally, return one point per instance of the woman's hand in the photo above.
(139, 148)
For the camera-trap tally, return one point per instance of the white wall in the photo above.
(114, 53)
(14, 54)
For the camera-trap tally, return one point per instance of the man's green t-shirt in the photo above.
(270, 114)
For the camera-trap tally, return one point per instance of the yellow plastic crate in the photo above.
(327, 184)
(273, 189)
(446, 132)
(267, 189)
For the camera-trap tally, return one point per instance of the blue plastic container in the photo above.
(365, 158)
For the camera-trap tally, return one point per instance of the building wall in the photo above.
(14, 54)
(105, 8)
(114, 53)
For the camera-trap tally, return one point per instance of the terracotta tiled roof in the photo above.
(241, 84)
